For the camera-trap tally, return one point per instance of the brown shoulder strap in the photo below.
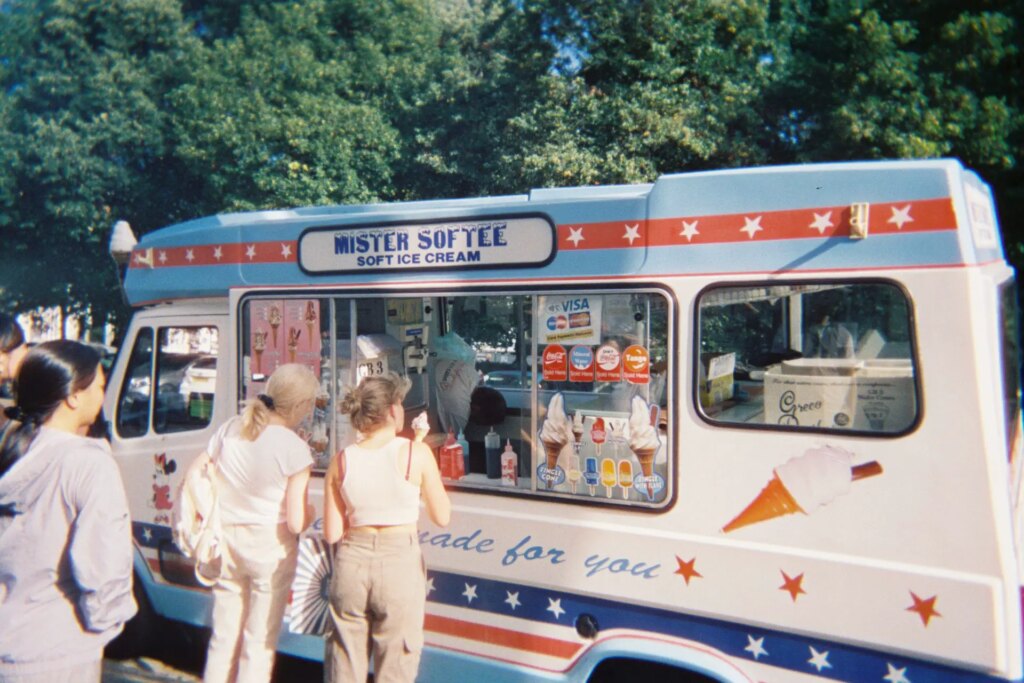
(408, 462)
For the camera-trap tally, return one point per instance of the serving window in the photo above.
(560, 394)
(835, 356)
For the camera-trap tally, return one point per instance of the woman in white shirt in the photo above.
(263, 475)
(372, 503)
(65, 534)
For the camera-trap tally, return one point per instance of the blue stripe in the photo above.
(793, 256)
(797, 187)
(784, 650)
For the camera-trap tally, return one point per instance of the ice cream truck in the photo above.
(750, 425)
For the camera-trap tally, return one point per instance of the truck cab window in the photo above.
(186, 372)
(808, 356)
(135, 398)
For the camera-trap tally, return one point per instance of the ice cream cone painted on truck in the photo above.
(803, 484)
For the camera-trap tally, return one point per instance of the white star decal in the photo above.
(147, 535)
(218, 253)
(819, 660)
(575, 236)
(689, 230)
(632, 233)
(900, 217)
(430, 585)
(555, 607)
(469, 593)
(162, 256)
(286, 250)
(512, 600)
(250, 251)
(822, 222)
(896, 675)
(755, 646)
(751, 227)
(190, 255)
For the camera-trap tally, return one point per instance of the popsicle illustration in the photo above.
(643, 438)
(591, 476)
(556, 432)
(608, 476)
(577, 431)
(598, 434)
(420, 426)
(275, 320)
(625, 476)
(574, 473)
(803, 484)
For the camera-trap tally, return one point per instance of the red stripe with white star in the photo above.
(927, 215)
(216, 254)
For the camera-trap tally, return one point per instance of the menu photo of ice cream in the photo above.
(266, 347)
(301, 325)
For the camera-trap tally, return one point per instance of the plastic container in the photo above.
(509, 466)
(461, 440)
(492, 453)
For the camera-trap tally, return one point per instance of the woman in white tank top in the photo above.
(372, 493)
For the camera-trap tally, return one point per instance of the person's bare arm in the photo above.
(334, 506)
(439, 506)
(299, 513)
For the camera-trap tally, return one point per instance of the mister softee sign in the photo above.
(504, 242)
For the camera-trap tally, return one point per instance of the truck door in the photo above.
(164, 401)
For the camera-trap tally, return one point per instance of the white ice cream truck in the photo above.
(757, 425)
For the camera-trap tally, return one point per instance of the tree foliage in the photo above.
(165, 110)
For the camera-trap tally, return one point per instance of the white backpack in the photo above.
(196, 521)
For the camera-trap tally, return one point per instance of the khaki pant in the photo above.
(249, 602)
(378, 597)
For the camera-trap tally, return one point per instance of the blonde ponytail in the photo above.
(291, 388)
(255, 418)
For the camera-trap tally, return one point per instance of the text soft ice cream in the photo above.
(803, 484)
(556, 431)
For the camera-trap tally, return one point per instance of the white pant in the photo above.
(249, 602)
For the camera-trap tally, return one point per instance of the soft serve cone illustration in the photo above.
(643, 438)
(803, 484)
(556, 432)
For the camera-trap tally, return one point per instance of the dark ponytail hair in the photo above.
(50, 373)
